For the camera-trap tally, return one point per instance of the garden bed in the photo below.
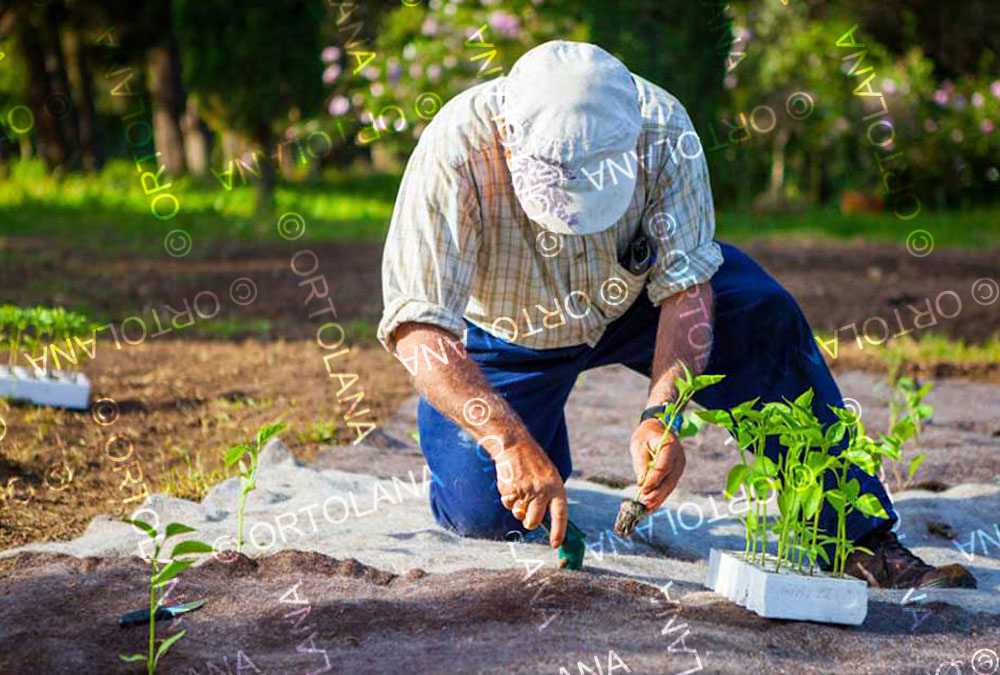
(295, 611)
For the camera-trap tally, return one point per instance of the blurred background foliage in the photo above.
(308, 93)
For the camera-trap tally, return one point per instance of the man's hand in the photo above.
(530, 485)
(656, 483)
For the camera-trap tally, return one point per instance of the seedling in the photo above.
(907, 414)
(812, 471)
(248, 473)
(34, 334)
(159, 577)
(632, 511)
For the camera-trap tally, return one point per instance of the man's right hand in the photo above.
(530, 485)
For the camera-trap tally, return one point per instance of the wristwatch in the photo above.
(656, 410)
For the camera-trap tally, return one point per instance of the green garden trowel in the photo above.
(574, 545)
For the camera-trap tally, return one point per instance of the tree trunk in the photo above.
(776, 184)
(82, 80)
(167, 104)
(51, 141)
(265, 191)
(197, 139)
(60, 102)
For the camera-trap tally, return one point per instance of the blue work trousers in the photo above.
(762, 344)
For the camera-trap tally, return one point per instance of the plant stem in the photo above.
(150, 667)
(239, 521)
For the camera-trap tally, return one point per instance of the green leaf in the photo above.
(235, 453)
(268, 431)
(836, 499)
(869, 505)
(142, 525)
(191, 546)
(904, 429)
(819, 461)
(914, 465)
(788, 504)
(852, 489)
(720, 418)
(690, 427)
(703, 381)
(174, 568)
(812, 500)
(167, 644)
(767, 467)
(821, 552)
(834, 433)
(735, 479)
(132, 658)
(805, 399)
(173, 529)
(743, 408)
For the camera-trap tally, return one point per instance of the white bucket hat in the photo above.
(568, 107)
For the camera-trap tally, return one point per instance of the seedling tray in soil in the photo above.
(787, 594)
(57, 388)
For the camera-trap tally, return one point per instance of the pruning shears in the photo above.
(140, 617)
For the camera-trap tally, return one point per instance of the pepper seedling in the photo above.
(907, 415)
(248, 473)
(687, 385)
(159, 577)
(797, 478)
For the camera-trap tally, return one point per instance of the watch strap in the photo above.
(656, 410)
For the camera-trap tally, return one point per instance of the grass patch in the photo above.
(931, 353)
(110, 209)
(934, 348)
(191, 482)
(969, 229)
(319, 431)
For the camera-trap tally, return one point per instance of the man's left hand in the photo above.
(655, 483)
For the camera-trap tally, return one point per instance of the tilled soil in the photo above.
(174, 407)
(184, 396)
(307, 613)
(838, 284)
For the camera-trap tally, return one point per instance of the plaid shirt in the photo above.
(459, 244)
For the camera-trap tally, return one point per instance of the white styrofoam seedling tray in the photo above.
(57, 388)
(787, 594)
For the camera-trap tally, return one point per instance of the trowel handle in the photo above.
(140, 617)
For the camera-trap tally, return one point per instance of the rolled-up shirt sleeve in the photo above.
(430, 251)
(680, 217)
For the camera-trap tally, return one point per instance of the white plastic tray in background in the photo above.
(61, 389)
(787, 594)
